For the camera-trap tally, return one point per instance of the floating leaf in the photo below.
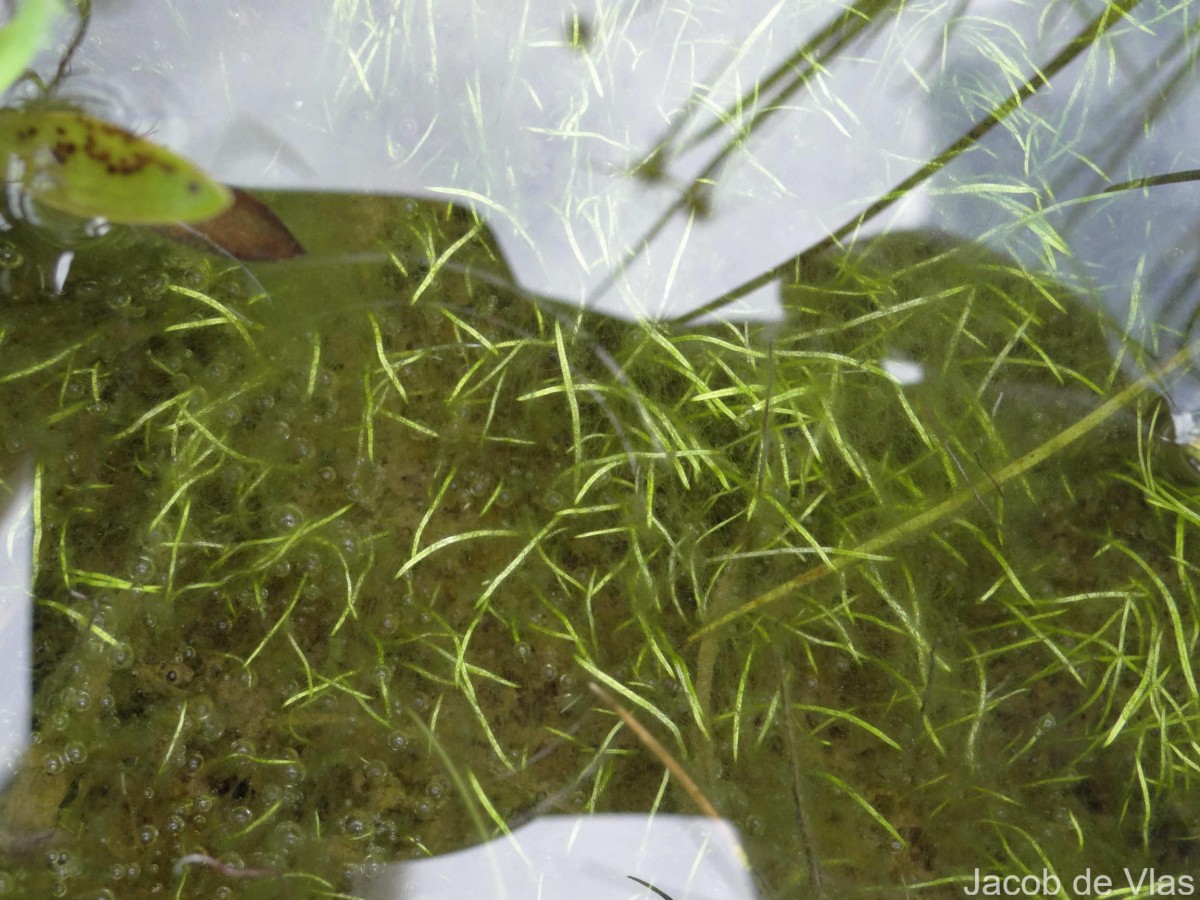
(248, 230)
(23, 36)
(89, 168)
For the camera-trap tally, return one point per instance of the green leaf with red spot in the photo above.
(79, 165)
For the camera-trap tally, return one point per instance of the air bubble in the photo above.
(87, 291)
(287, 836)
(63, 866)
(202, 707)
(147, 835)
(10, 256)
(292, 774)
(386, 830)
(349, 544)
(242, 747)
(241, 816)
(152, 284)
(192, 277)
(479, 482)
(355, 824)
(371, 869)
(97, 227)
(287, 518)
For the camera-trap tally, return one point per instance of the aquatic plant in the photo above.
(328, 551)
(270, 535)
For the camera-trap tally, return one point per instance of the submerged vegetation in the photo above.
(283, 545)
(327, 552)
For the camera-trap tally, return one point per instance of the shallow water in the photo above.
(322, 543)
(327, 550)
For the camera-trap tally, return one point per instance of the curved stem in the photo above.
(85, 19)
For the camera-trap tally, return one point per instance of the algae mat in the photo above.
(327, 552)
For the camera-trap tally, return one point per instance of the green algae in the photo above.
(308, 531)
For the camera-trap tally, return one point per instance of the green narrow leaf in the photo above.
(89, 168)
(23, 36)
